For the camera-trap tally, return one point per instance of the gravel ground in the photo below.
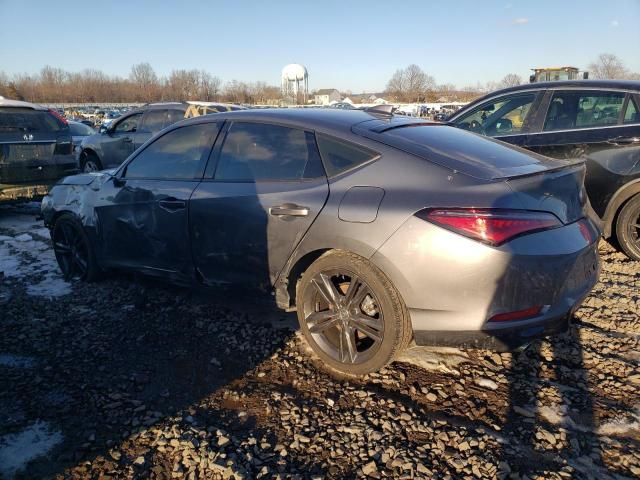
(129, 378)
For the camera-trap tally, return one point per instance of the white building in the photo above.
(325, 96)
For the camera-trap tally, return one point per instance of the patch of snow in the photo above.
(441, 359)
(50, 287)
(622, 426)
(42, 232)
(25, 237)
(18, 449)
(15, 361)
(486, 383)
(22, 256)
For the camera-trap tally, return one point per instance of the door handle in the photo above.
(127, 139)
(289, 209)
(624, 141)
(172, 204)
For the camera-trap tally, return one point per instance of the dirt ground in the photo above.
(129, 378)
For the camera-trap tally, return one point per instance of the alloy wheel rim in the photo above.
(71, 251)
(90, 166)
(344, 317)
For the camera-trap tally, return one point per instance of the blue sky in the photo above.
(349, 44)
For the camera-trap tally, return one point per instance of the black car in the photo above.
(35, 150)
(594, 120)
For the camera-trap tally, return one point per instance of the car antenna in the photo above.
(381, 109)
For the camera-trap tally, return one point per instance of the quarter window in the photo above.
(256, 151)
(506, 115)
(631, 115)
(569, 110)
(177, 155)
(340, 156)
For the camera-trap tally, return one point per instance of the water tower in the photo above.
(294, 81)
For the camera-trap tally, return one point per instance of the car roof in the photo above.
(589, 84)
(325, 119)
(5, 102)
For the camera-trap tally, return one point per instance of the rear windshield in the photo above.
(464, 151)
(28, 120)
(80, 129)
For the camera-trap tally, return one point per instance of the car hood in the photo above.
(86, 178)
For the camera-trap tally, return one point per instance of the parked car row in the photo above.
(38, 146)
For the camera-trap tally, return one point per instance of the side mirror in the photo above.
(118, 181)
(103, 129)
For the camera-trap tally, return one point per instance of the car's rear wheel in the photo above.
(628, 228)
(350, 314)
(91, 163)
(73, 250)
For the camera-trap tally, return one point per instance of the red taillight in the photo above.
(58, 116)
(490, 226)
(517, 315)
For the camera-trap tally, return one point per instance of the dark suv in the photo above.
(594, 120)
(115, 143)
(35, 150)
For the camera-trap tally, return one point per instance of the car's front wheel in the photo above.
(628, 228)
(90, 163)
(350, 314)
(73, 250)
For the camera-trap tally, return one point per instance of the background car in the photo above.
(377, 228)
(35, 150)
(116, 141)
(595, 120)
(79, 131)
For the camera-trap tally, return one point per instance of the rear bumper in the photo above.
(501, 340)
(452, 286)
(16, 193)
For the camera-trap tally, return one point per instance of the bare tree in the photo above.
(510, 80)
(209, 87)
(183, 85)
(145, 81)
(608, 66)
(410, 84)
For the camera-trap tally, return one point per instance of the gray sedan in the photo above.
(377, 229)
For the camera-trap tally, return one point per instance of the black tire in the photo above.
(73, 250)
(367, 325)
(90, 163)
(628, 228)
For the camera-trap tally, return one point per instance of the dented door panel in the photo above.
(144, 224)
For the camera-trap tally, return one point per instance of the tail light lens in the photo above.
(517, 315)
(493, 227)
(58, 116)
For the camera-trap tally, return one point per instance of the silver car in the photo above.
(377, 229)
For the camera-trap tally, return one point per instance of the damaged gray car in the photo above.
(377, 229)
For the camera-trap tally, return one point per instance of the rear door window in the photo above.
(574, 109)
(154, 121)
(263, 152)
(339, 156)
(177, 155)
(174, 116)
